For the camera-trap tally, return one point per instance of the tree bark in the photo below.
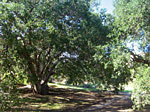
(42, 89)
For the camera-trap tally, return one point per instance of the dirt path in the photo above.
(119, 103)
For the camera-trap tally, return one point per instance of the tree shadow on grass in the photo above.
(58, 100)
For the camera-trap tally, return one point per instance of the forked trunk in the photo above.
(41, 89)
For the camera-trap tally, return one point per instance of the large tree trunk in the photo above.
(41, 89)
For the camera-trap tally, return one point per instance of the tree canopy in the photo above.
(42, 40)
(38, 35)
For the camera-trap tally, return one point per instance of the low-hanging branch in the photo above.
(139, 59)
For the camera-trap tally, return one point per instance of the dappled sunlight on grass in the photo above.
(127, 110)
(64, 98)
(59, 99)
(53, 106)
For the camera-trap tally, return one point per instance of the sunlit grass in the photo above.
(58, 102)
(127, 91)
(128, 88)
(63, 96)
(53, 103)
(65, 86)
(53, 106)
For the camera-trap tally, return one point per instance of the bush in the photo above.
(141, 90)
(8, 95)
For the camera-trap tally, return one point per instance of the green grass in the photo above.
(126, 91)
(65, 86)
(61, 97)
(128, 88)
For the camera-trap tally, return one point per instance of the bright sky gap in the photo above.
(108, 4)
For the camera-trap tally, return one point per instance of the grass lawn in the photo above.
(128, 88)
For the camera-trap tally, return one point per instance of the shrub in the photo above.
(141, 90)
(8, 94)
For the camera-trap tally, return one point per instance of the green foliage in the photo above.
(113, 67)
(9, 95)
(36, 34)
(132, 18)
(132, 23)
(141, 92)
(113, 59)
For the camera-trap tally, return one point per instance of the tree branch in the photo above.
(51, 70)
(48, 62)
(139, 59)
(47, 65)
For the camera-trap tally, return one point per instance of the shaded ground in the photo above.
(60, 99)
(118, 103)
(73, 100)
